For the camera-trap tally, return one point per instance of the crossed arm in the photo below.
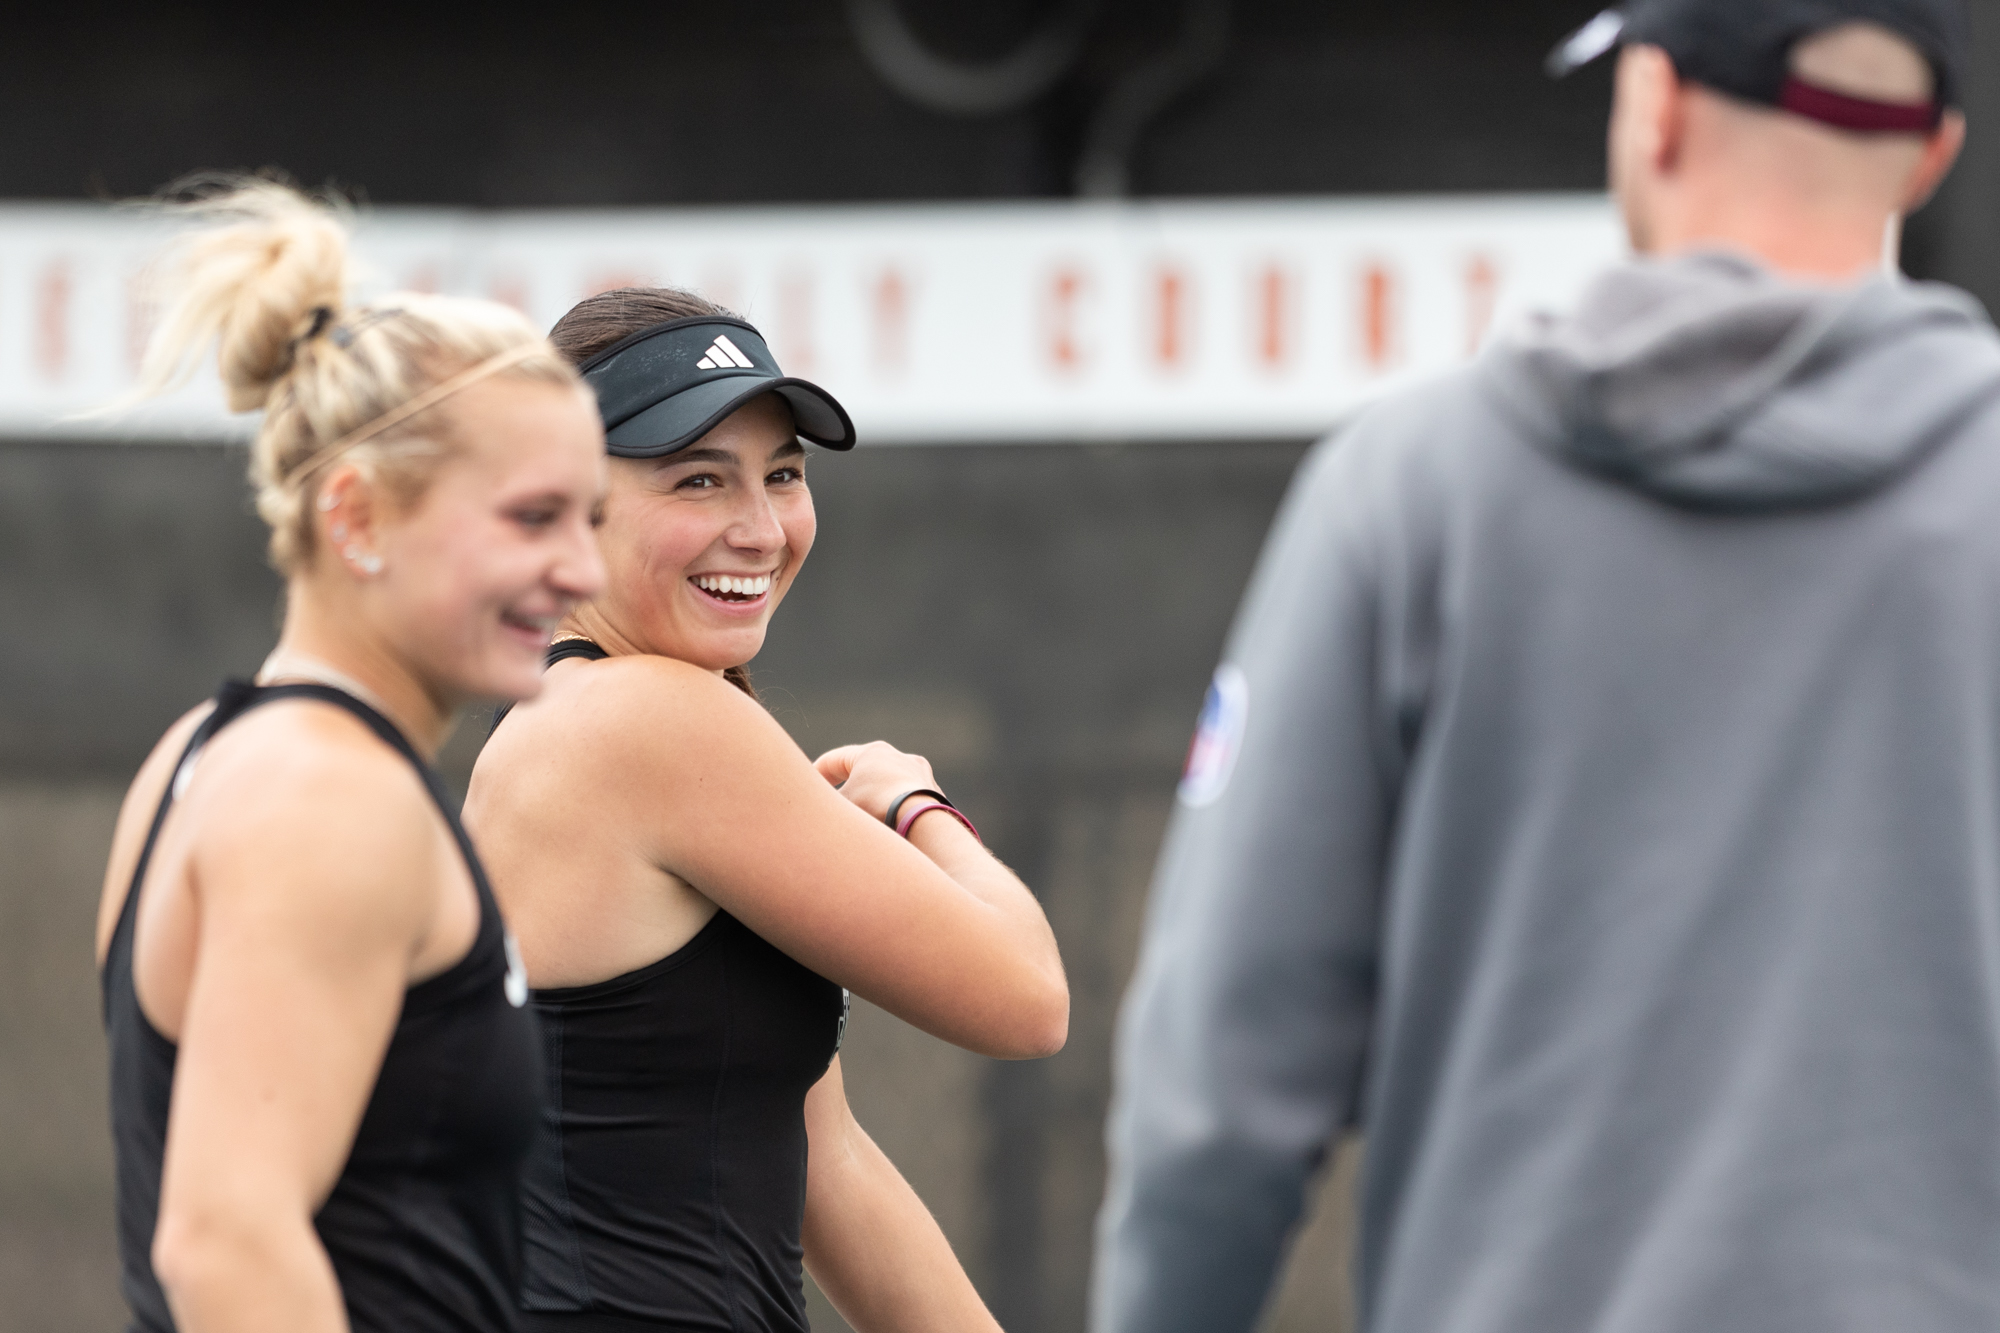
(934, 929)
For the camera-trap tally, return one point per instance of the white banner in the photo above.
(933, 324)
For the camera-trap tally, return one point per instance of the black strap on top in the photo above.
(568, 648)
(896, 806)
(237, 697)
(560, 651)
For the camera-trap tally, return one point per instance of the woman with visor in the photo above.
(324, 1077)
(692, 893)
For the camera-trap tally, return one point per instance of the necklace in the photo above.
(281, 665)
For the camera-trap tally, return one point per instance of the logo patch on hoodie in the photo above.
(1218, 735)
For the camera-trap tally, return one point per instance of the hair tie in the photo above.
(345, 334)
(322, 315)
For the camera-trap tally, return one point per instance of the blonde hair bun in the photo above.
(252, 285)
(264, 281)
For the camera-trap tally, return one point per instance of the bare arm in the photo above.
(870, 1243)
(935, 930)
(874, 777)
(314, 894)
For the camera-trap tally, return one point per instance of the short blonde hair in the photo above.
(265, 282)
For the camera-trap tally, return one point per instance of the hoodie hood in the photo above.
(1709, 382)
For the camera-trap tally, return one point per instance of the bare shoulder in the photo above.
(649, 756)
(662, 691)
(643, 715)
(304, 796)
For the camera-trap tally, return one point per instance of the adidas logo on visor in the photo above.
(722, 355)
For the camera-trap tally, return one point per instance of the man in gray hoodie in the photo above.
(1599, 801)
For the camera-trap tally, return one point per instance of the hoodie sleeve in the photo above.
(1241, 1043)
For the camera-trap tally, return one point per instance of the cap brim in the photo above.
(675, 423)
(1586, 44)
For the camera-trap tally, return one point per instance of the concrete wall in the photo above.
(1039, 621)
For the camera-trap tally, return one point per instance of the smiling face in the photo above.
(700, 546)
(500, 546)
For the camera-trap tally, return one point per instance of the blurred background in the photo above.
(1039, 616)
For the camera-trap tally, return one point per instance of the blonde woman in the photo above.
(323, 1075)
(693, 894)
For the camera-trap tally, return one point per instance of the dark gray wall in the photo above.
(1078, 590)
(1958, 238)
(689, 103)
(136, 575)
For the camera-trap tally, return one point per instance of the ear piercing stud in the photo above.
(369, 564)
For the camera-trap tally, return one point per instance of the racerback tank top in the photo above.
(423, 1224)
(667, 1190)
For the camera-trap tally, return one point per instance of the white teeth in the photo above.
(726, 583)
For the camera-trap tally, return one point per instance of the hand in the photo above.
(875, 774)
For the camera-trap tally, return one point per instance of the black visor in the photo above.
(665, 387)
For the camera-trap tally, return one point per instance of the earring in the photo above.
(328, 502)
(370, 564)
(339, 531)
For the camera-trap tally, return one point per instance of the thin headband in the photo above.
(436, 394)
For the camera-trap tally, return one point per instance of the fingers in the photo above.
(870, 775)
(837, 763)
(884, 760)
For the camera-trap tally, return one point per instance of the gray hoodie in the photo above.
(1600, 807)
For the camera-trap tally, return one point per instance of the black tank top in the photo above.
(423, 1224)
(668, 1188)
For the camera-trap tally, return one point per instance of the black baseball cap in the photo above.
(666, 386)
(1744, 48)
